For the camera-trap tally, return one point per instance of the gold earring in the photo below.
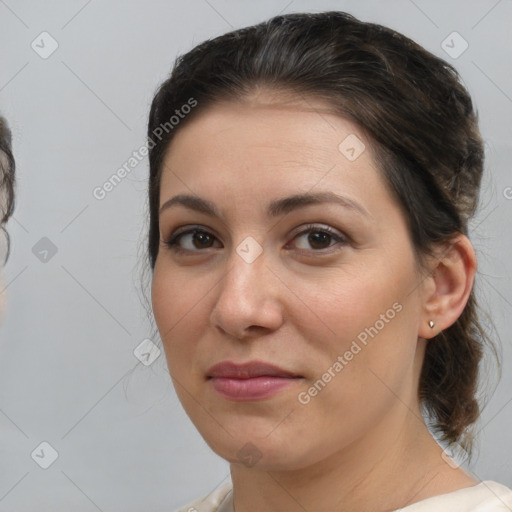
(431, 324)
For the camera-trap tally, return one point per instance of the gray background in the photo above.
(68, 374)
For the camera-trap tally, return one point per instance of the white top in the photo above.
(487, 496)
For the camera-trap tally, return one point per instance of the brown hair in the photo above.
(423, 131)
(7, 168)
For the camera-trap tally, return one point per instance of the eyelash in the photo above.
(172, 243)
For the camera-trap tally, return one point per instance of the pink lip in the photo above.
(254, 380)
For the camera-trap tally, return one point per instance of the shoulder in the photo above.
(212, 502)
(487, 496)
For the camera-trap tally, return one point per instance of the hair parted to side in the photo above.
(7, 180)
(423, 132)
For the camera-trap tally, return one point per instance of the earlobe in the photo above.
(452, 274)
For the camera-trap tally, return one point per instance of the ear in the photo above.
(448, 286)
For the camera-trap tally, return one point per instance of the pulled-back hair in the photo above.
(7, 168)
(423, 132)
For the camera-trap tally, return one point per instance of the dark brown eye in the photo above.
(202, 239)
(318, 238)
(191, 240)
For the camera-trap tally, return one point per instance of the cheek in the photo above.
(362, 342)
(173, 299)
(355, 301)
(179, 311)
(170, 307)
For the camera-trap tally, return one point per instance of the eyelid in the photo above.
(305, 228)
(172, 240)
(341, 238)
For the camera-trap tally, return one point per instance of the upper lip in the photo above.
(247, 370)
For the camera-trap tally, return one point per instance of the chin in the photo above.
(267, 452)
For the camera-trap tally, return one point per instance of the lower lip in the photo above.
(255, 388)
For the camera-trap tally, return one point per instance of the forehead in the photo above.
(264, 119)
(276, 127)
(263, 147)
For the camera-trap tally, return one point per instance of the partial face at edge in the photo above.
(309, 298)
(3, 240)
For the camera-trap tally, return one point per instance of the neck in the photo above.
(396, 464)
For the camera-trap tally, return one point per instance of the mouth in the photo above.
(254, 380)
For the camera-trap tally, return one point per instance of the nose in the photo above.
(248, 299)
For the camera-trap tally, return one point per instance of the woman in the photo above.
(311, 182)
(6, 195)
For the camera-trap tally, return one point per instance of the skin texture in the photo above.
(360, 443)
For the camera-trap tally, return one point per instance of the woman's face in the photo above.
(305, 263)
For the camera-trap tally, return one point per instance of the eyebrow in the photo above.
(276, 208)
